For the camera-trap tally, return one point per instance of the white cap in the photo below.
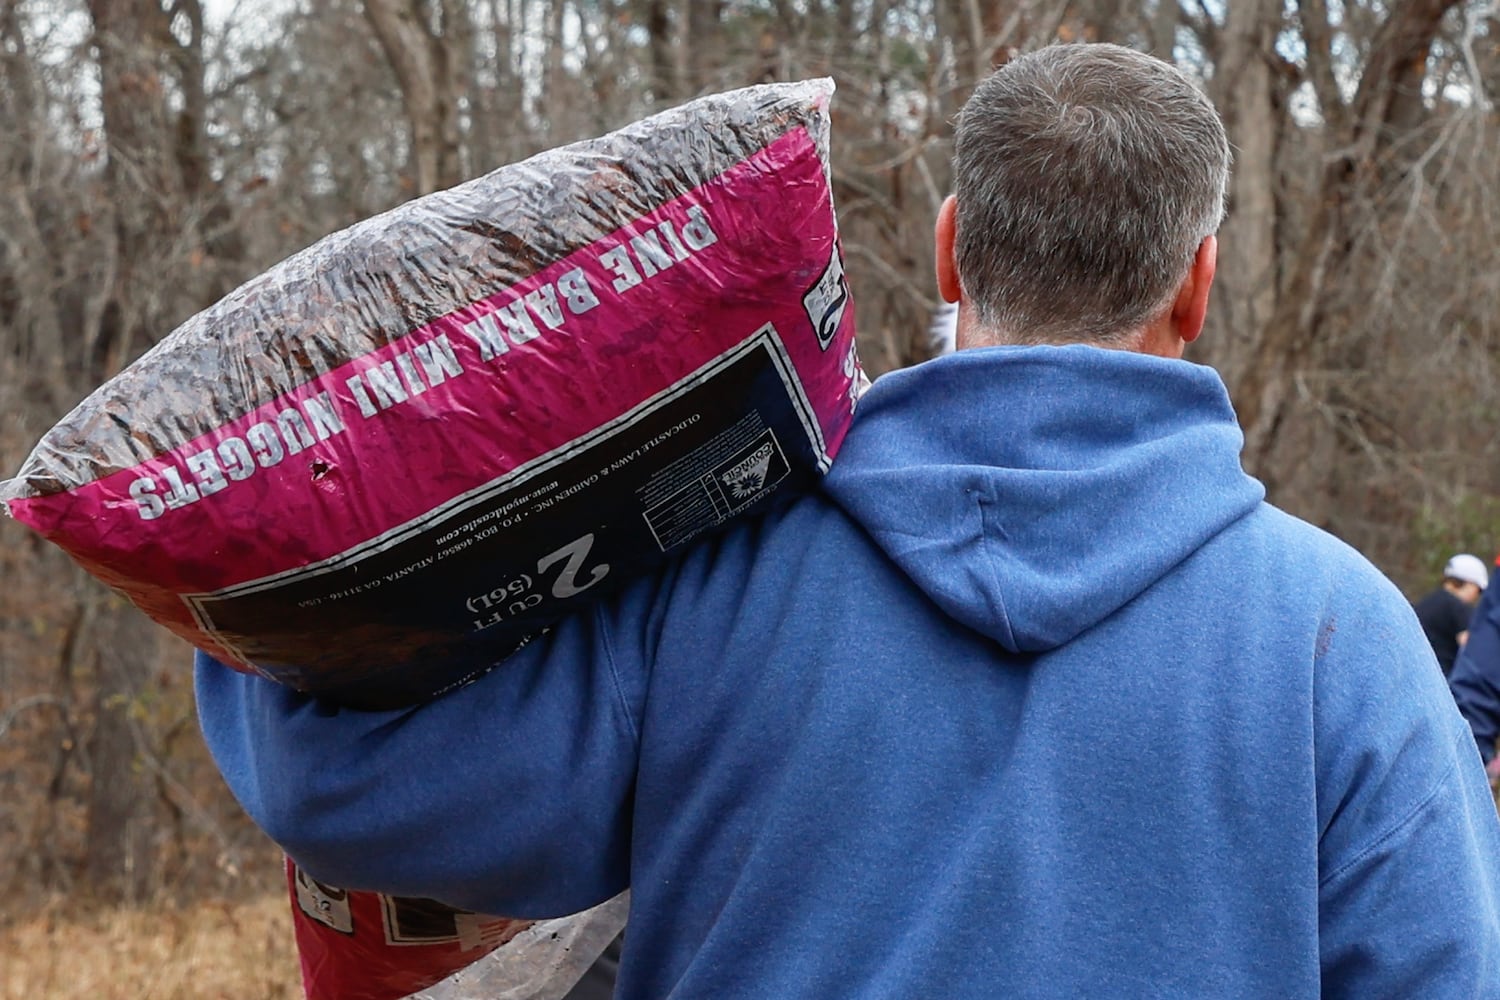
(1469, 569)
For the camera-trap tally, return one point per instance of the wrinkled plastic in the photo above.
(390, 460)
(543, 962)
(368, 946)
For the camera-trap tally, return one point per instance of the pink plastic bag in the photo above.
(425, 438)
(369, 946)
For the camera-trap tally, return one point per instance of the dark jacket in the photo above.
(1444, 615)
(1475, 681)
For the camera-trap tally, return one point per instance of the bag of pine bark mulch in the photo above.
(379, 467)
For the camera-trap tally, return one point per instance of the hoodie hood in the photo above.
(1033, 491)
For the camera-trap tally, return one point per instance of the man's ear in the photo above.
(1191, 306)
(943, 236)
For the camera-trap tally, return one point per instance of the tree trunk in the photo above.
(1395, 65)
(140, 175)
(1164, 28)
(419, 57)
(120, 860)
(30, 330)
(1245, 92)
(705, 43)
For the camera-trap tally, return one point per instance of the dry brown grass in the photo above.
(210, 951)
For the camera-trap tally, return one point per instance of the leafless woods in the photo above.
(156, 153)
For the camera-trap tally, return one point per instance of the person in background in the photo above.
(833, 751)
(1475, 680)
(1445, 612)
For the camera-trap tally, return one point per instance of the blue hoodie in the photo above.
(1036, 699)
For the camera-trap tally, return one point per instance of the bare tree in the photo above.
(1357, 314)
(1251, 93)
(660, 18)
(1390, 80)
(705, 42)
(411, 33)
(148, 191)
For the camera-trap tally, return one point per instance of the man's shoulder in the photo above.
(1304, 541)
(1301, 558)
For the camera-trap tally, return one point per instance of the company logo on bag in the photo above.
(425, 921)
(826, 300)
(748, 478)
(324, 903)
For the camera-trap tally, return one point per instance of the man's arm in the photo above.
(510, 795)
(1409, 852)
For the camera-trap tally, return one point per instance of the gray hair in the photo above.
(1086, 177)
